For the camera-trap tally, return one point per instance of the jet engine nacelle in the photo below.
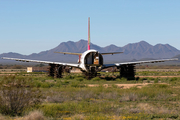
(91, 61)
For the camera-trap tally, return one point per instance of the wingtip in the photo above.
(176, 58)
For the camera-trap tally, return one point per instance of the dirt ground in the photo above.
(124, 86)
(158, 76)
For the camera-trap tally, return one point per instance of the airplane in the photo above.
(91, 62)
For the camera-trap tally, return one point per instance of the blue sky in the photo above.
(31, 26)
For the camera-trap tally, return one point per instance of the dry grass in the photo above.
(60, 97)
(78, 117)
(2, 117)
(123, 86)
(34, 115)
(147, 108)
(56, 97)
(159, 70)
(129, 97)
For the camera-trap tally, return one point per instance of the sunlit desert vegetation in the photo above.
(76, 98)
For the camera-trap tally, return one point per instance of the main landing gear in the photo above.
(56, 71)
(127, 71)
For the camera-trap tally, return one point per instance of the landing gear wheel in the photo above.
(55, 71)
(127, 71)
(51, 70)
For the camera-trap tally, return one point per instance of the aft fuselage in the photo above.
(91, 61)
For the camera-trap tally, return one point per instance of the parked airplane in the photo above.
(91, 61)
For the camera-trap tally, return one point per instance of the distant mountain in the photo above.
(145, 50)
(132, 51)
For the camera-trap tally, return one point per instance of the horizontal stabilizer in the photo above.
(111, 53)
(69, 53)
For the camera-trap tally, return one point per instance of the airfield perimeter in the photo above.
(153, 95)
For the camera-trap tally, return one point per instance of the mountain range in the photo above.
(133, 51)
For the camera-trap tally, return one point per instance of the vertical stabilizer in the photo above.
(89, 33)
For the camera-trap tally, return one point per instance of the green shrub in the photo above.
(114, 86)
(45, 85)
(118, 79)
(161, 86)
(77, 84)
(107, 78)
(37, 84)
(16, 94)
(96, 79)
(58, 84)
(156, 80)
(174, 79)
(65, 82)
(74, 84)
(69, 77)
(80, 79)
(55, 110)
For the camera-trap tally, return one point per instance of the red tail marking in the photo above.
(79, 58)
(89, 33)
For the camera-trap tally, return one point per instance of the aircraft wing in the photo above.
(138, 62)
(46, 62)
(69, 53)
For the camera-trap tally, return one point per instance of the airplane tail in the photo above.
(89, 33)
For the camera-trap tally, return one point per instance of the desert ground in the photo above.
(154, 94)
